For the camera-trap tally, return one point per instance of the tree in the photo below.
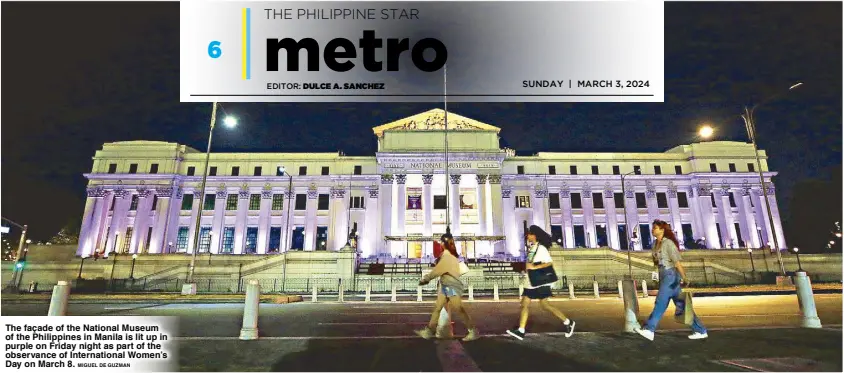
(66, 236)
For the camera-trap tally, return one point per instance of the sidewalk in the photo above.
(151, 297)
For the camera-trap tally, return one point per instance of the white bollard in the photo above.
(571, 290)
(314, 294)
(644, 289)
(495, 292)
(368, 292)
(393, 294)
(471, 292)
(444, 327)
(631, 306)
(806, 299)
(249, 330)
(620, 290)
(597, 292)
(340, 291)
(58, 302)
(418, 293)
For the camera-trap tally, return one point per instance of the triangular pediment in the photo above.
(434, 120)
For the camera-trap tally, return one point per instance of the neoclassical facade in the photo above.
(144, 197)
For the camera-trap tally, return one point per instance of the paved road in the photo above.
(378, 336)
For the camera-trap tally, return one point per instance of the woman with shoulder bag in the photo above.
(541, 276)
(666, 256)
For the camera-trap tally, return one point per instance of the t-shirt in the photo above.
(537, 254)
(668, 254)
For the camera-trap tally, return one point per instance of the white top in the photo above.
(540, 255)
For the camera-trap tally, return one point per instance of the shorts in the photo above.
(449, 291)
(541, 292)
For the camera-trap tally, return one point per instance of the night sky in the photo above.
(81, 74)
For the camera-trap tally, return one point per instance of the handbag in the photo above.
(464, 269)
(542, 276)
(689, 311)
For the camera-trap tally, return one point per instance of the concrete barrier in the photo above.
(249, 331)
(806, 299)
(418, 293)
(597, 291)
(340, 291)
(368, 292)
(393, 294)
(571, 290)
(58, 302)
(644, 289)
(620, 290)
(631, 305)
(495, 292)
(314, 294)
(471, 293)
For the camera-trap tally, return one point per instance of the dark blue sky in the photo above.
(78, 75)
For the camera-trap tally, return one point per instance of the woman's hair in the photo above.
(667, 232)
(449, 245)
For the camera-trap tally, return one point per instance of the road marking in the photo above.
(374, 323)
(393, 313)
(751, 315)
(454, 358)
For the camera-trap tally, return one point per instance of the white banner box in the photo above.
(490, 51)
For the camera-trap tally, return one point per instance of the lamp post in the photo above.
(750, 125)
(132, 271)
(229, 122)
(628, 286)
(15, 271)
(627, 226)
(81, 263)
(799, 266)
(287, 238)
(750, 254)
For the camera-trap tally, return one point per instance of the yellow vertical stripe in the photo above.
(243, 43)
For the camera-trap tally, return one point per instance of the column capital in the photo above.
(505, 192)
(608, 192)
(564, 190)
(586, 190)
(121, 193)
(455, 179)
(165, 192)
(770, 188)
(540, 192)
(222, 193)
(672, 190)
(312, 192)
(703, 190)
(426, 179)
(387, 179)
(495, 179)
(243, 193)
(650, 190)
(338, 192)
(143, 192)
(401, 179)
(266, 194)
(96, 192)
(481, 178)
(373, 191)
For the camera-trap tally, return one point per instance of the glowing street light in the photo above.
(230, 122)
(706, 131)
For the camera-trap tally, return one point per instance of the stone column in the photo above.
(723, 207)
(589, 217)
(118, 220)
(369, 240)
(171, 228)
(401, 205)
(676, 219)
(427, 208)
(454, 206)
(748, 229)
(698, 229)
(162, 218)
(704, 201)
(287, 220)
(653, 207)
(95, 207)
(217, 222)
(508, 221)
(339, 217)
(310, 218)
(240, 221)
(139, 238)
(631, 211)
(385, 205)
(565, 207)
(540, 210)
(196, 213)
(775, 211)
(499, 219)
(482, 206)
(612, 218)
(264, 220)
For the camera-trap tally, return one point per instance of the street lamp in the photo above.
(23, 240)
(82, 262)
(627, 226)
(628, 286)
(132, 272)
(750, 125)
(706, 131)
(288, 240)
(799, 266)
(229, 122)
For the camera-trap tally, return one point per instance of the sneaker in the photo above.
(516, 333)
(697, 335)
(569, 329)
(471, 336)
(425, 333)
(646, 333)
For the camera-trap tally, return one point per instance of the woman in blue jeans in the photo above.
(666, 255)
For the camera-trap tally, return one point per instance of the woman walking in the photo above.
(666, 256)
(449, 290)
(538, 258)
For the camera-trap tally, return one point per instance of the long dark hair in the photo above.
(667, 232)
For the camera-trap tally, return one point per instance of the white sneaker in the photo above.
(697, 335)
(649, 335)
(471, 336)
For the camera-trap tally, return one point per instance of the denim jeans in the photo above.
(669, 289)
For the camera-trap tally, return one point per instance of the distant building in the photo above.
(143, 197)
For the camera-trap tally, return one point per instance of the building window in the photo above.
(598, 200)
(301, 202)
(133, 168)
(235, 171)
(751, 168)
(127, 241)
(324, 170)
(275, 240)
(594, 170)
(678, 170)
(251, 240)
(520, 170)
(523, 202)
(661, 201)
(154, 202)
(228, 240)
(182, 239)
(212, 171)
(657, 170)
(358, 170)
(153, 168)
(255, 202)
(303, 170)
(619, 200)
(191, 171)
(683, 200)
(278, 202)
(713, 167)
(554, 200)
(257, 171)
(576, 201)
(356, 202)
(616, 170)
(187, 202)
(322, 202)
(573, 170)
(210, 202)
(439, 203)
(637, 170)
(732, 167)
(112, 168)
(552, 170)
(712, 197)
(133, 206)
(205, 239)
(321, 238)
(297, 239)
(641, 201)
(231, 202)
(732, 200)
(113, 202)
